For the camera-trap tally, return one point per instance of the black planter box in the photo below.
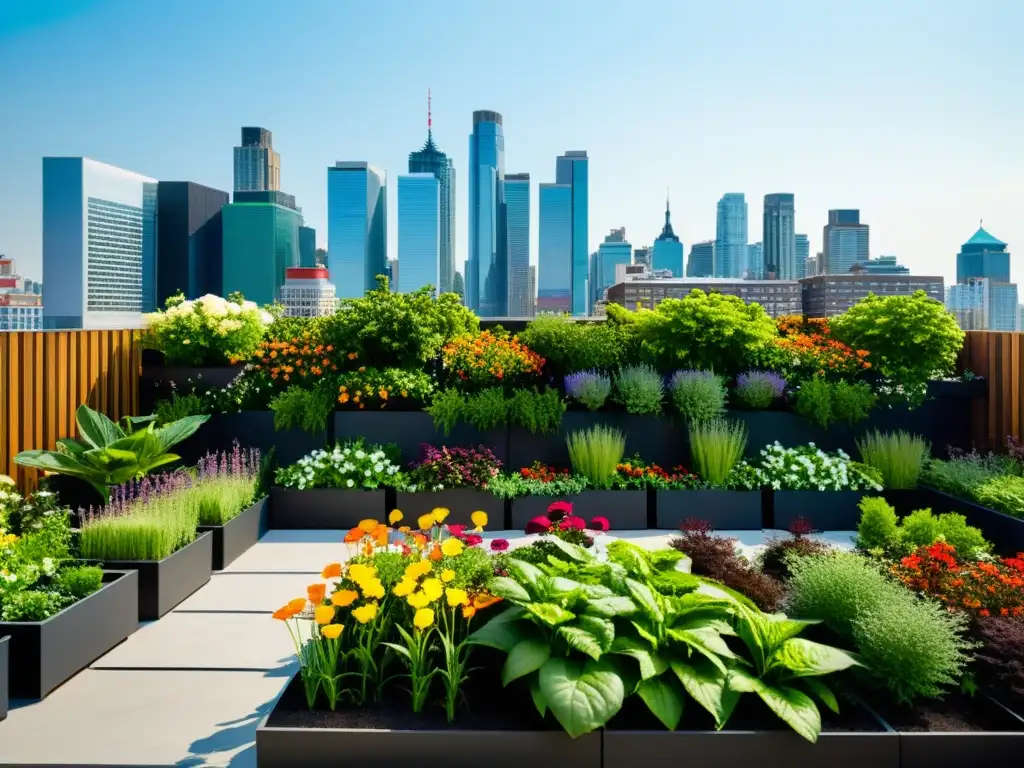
(825, 510)
(325, 508)
(251, 429)
(409, 430)
(159, 381)
(1004, 531)
(234, 538)
(165, 583)
(625, 510)
(4, 702)
(724, 510)
(44, 654)
(789, 429)
(460, 503)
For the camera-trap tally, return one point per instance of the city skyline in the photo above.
(918, 206)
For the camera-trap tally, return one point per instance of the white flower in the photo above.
(349, 483)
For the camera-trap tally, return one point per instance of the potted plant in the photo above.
(226, 486)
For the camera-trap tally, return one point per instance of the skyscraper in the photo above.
(99, 244)
(189, 245)
(982, 305)
(517, 206)
(668, 250)
(753, 262)
(702, 260)
(257, 165)
(845, 241)
(613, 251)
(803, 254)
(731, 235)
(642, 256)
(307, 247)
(532, 292)
(983, 256)
(572, 169)
(487, 271)
(430, 159)
(779, 237)
(261, 242)
(554, 267)
(419, 232)
(357, 227)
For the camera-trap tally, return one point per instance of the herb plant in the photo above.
(639, 389)
(827, 402)
(225, 484)
(759, 389)
(697, 395)
(716, 447)
(589, 388)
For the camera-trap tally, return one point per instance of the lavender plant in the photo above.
(591, 388)
(699, 396)
(640, 389)
(226, 484)
(759, 389)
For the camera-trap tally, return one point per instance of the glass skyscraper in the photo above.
(668, 249)
(731, 235)
(487, 270)
(357, 227)
(845, 242)
(572, 169)
(803, 254)
(261, 241)
(983, 256)
(982, 305)
(702, 260)
(779, 238)
(613, 251)
(753, 262)
(99, 244)
(430, 159)
(419, 232)
(307, 247)
(257, 165)
(189, 253)
(517, 206)
(554, 268)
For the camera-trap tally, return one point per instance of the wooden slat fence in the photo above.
(999, 357)
(46, 375)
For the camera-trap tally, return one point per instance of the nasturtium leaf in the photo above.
(527, 656)
(805, 658)
(582, 695)
(663, 700)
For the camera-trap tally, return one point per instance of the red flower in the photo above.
(458, 531)
(499, 545)
(540, 524)
(599, 524)
(560, 508)
(573, 522)
(473, 539)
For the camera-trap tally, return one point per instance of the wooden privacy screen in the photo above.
(46, 375)
(999, 357)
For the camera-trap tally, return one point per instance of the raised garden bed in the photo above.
(825, 510)
(724, 510)
(497, 731)
(324, 508)
(164, 583)
(44, 654)
(251, 429)
(408, 430)
(234, 538)
(625, 510)
(4, 702)
(460, 502)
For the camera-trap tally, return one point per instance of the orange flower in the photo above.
(344, 598)
(468, 612)
(331, 571)
(381, 535)
(283, 613)
(354, 535)
(368, 548)
(436, 554)
(485, 600)
(420, 540)
(316, 592)
(297, 605)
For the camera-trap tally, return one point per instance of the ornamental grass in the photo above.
(226, 484)
(899, 456)
(596, 453)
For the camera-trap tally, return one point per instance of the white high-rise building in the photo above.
(307, 292)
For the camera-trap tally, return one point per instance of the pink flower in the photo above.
(540, 524)
(560, 508)
(572, 522)
(457, 530)
(473, 539)
(599, 524)
(499, 545)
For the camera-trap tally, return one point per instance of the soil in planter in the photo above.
(957, 713)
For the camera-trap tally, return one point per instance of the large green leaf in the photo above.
(527, 656)
(182, 429)
(71, 447)
(574, 552)
(663, 700)
(148, 466)
(644, 597)
(538, 698)
(582, 695)
(580, 640)
(503, 631)
(723, 592)
(96, 428)
(707, 684)
(781, 628)
(805, 658)
(601, 628)
(793, 707)
(651, 663)
(611, 607)
(823, 692)
(706, 642)
(527, 575)
(509, 589)
(51, 461)
(550, 613)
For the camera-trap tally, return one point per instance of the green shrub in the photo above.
(305, 409)
(697, 395)
(596, 453)
(963, 473)
(899, 456)
(78, 582)
(640, 389)
(826, 402)
(878, 529)
(911, 646)
(207, 331)
(1004, 493)
(538, 412)
(590, 388)
(178, 406)
(880, 532)
(716, 447)
(568, 346)
(31, 605)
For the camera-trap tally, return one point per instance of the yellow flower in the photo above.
(433, 589)
(6, 480)
(368, 526)
(365, 613)
(440, 514)
(405, 587)
(479, 519)
(395, 516)
(447, 575)
(418, 600)
(344, 598)
(417, 569)
(331, 631)
(324, 614)
(372, 588)
(424, 618)
(359, 573)
(452, 547)
(297, 605)
(457, 597)
(425, 522)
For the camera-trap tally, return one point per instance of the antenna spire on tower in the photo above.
(430, 114)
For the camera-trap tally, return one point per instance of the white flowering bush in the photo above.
(804, 468)
(349, 466)
(207, 331)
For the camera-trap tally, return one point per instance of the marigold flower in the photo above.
(405, 587)
(433, 589)
(418, 600)
(447, 575)
(479, 519)
(315, 593)
(344, 598)
(331, 571)
(425, 522)
(297, 605)
(368, 525)
(382, 535)
(440, 514)
(404, 529)
(396, 516)
(417, 569)
(424, 618)
(372, 588)
(457, 597)
(484, 600)
(420, 540)
(452, 547)
(331, 631)
(324, 614)
(284, 613)
(360, 572)
(468, 612)
(365, 613)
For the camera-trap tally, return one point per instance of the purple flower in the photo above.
(759, 389)
(591, 388)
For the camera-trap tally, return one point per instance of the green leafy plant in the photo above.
(207, 331)
(640, 389)
(568, 345)
(80, 581)
(1004, 494)
(178, 406)
(899, 456)
(383, 388)
(716, 447)
(697, 395)
(827, 402)
(964, 472)
(596, 453)
(759, 389)
(305, 409)
(538, 480)
(110, 453)
(536, 412)
(590, 388)
(880, 531)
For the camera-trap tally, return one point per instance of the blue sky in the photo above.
(910, 110)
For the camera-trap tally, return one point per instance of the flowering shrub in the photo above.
(484, 359)
(298, 361)
(759, 389)
(985, 588)
(561, 523)
(809, 348)
(444, 467)
(379, 388)
(537, 480)
(636, 474)
(207, 331)
(805, 468)
(352, 465)
(591, 388)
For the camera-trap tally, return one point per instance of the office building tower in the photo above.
(845, 241)
(261, 241)
(430, 159)
(21, 312)
(189, 240)
(829, 295)
(983, 305)
(357, 227)
(573, 169)
(731, 235)
(883, 265)
(307, 292)
(307, 247)
(275, 196)
(779, 237)
(257, 165)
(803, 254)
(753, 262)
(668, 249)
(814, 265)
(487, 270)
(392, 273)
(701, 262)
(419, 232)
(554, 264)
(517, 208)
(613, 252)
(983, 256)
(531, 292)
(99, 244)
(777, 297)
(643, 256)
